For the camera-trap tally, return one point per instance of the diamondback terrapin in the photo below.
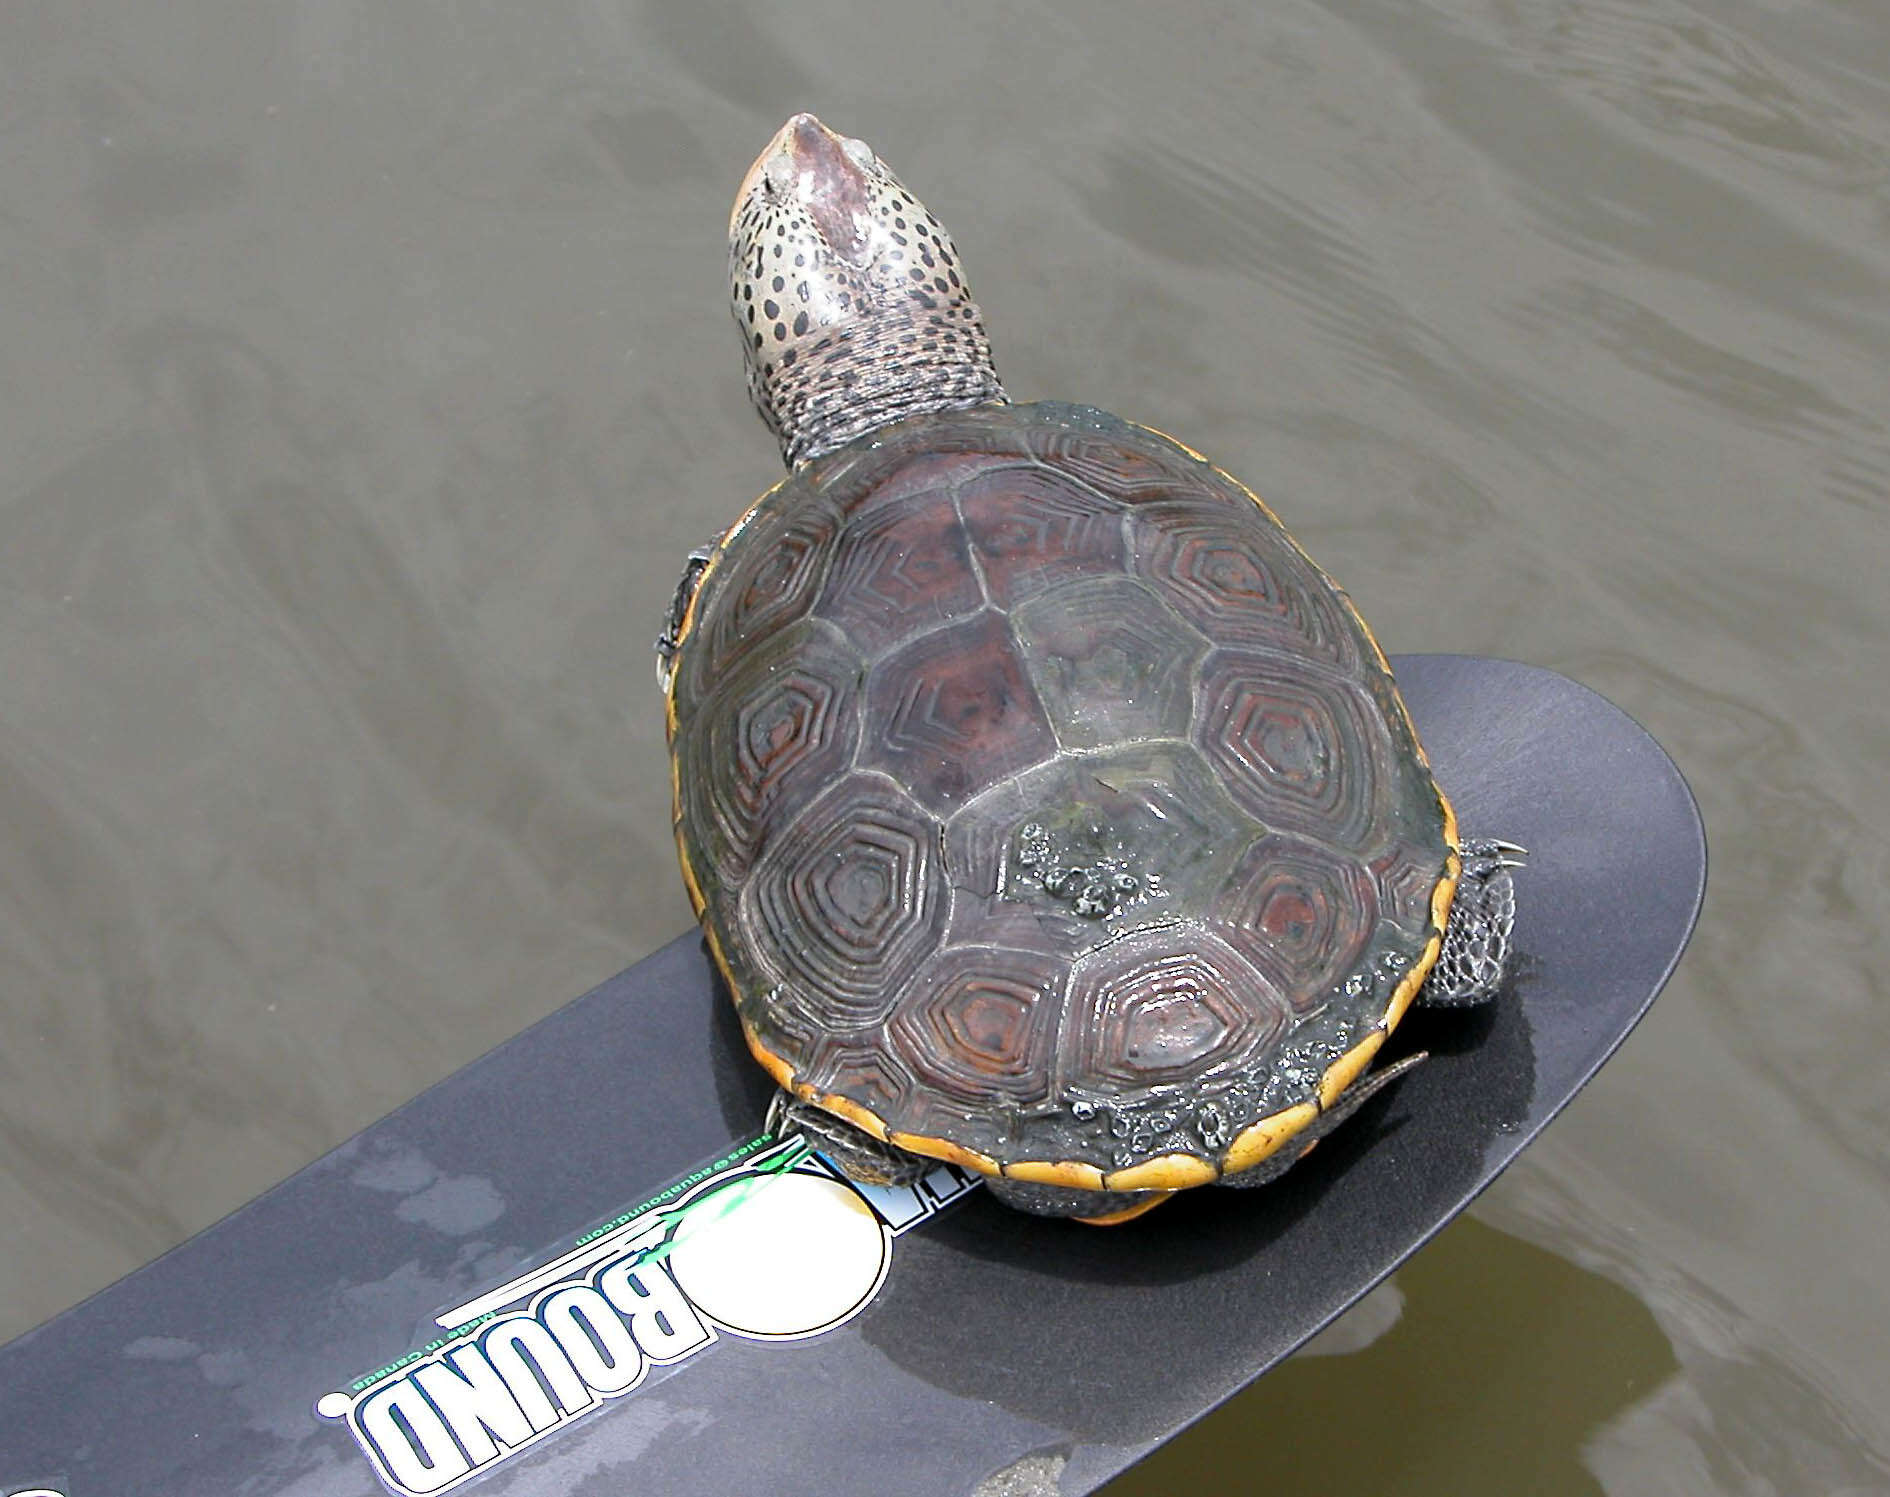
(1046, 809)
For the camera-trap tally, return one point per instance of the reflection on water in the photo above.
(366, 377)
(1507, 1340)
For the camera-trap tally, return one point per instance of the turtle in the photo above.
(1047, 811)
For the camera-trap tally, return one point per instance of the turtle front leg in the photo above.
(670, 640)
(1476, 947)
(856, 1152)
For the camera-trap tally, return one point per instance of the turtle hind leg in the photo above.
(870, 1161)
(1343, 1106)
(855, 1152)
(1476, 947)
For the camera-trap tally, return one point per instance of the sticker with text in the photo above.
(767, 1242)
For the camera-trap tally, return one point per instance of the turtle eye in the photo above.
(861, 153)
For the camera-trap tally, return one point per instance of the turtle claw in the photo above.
(776, 1120)
(1494, 850)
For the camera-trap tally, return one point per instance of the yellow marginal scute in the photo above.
(1164, 1172)
(697, 901)
(1348, 1067)
(1407, 990)
(1259, 1141)
(1066, 1173)
(1446, 890)
(945, 1149)
(779, 1069)
(1450, 836)
(863, 1118)
(1441, 899)
(675, 795)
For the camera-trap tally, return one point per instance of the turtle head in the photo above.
(849, 296)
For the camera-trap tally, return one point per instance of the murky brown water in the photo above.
(363, 375)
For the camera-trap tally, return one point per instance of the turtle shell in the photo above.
(1046, 808)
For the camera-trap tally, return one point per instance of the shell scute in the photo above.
(1150, 812)
(1170, 1005)
(783, 723)
(847, 903)
(889, 467)
(899, 570)
(1240, 582)
(1302, 912)
(980, 1024)
(862, 1070)
(1108, 455)
(1031, 529)
(1111, 663)
(1405, 875)
(773, 565)
(953, 712)
(1300, 751)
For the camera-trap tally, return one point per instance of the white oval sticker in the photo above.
(795, 1255)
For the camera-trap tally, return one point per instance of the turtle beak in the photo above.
(808, 162)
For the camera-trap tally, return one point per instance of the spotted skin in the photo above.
(848, 295)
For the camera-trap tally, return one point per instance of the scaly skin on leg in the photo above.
(1476, 952)
(858, 1154)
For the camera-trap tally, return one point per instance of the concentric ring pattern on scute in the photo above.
(1046, 807)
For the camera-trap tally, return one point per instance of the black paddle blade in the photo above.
(527, 1276)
